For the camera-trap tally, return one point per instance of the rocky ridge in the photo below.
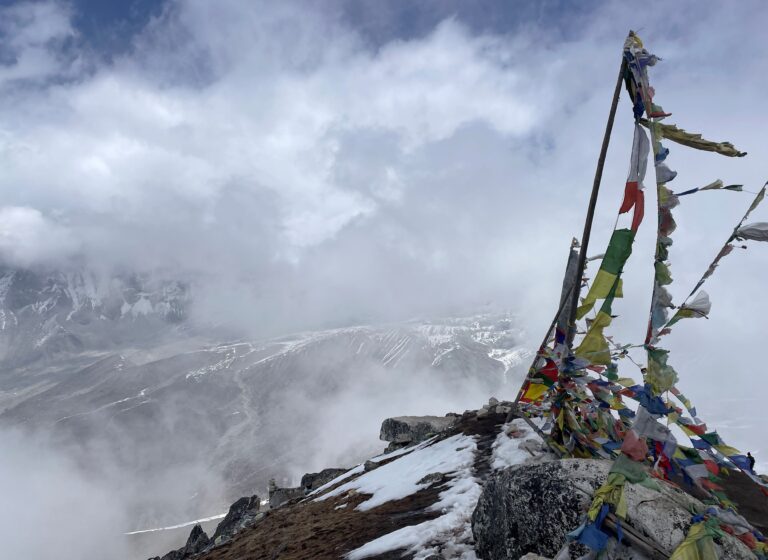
(478, 507)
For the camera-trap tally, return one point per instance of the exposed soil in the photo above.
(484, 429)
(308, 530)
(317, 530)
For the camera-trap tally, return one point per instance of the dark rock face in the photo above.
(197, 542)
(243, 512)
(504, 524)
(413, 429)
(240, 513)
(313, 481)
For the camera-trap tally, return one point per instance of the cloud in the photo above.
(303, 174)
(28, 237)
(34, 37)
(53, 506)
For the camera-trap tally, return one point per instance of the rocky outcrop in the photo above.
(404, 430)
(279, 496)
(495, 406)
(313, 481)
(240, 513)
(505, 526)
(197, 542)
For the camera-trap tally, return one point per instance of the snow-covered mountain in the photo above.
(113, 371)
(46, 314)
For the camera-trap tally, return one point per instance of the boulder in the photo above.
(413, 429)
(506, 526)
(240, 513)
(313, 481)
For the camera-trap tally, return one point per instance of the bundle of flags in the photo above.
(581, 391)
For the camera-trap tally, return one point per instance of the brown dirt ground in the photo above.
(316, 530)
(308, 530)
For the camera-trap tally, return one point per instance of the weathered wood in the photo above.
(651, 548)
(593, 202)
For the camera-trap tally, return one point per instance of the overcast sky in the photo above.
(321, 163)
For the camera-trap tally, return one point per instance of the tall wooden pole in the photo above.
(592, 203)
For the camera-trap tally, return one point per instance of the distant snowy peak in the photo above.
(47, 313)
(75, 296)
(484, 346)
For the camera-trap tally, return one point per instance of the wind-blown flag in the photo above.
(608, 278)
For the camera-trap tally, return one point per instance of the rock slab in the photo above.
(413, 429)
(529, 509)
(313, 481)
(240, 513)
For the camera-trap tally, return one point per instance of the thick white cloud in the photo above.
(27, 237)
(301, 175)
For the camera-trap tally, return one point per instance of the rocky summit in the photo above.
(477, 485)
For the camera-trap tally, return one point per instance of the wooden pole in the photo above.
(565, 296)
(592, 203)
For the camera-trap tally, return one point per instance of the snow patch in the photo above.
(508, 449)
(400, 478)
(361, 467)
(453, 456)
(180, 525)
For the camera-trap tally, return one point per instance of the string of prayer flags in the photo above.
(715, 185)
(700, 306)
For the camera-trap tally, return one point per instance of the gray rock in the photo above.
(394, 447)
(313, 481)
(493, 401)
(505, 525)
(432, 478)
(370, 465)
(240, 513)
(197, 542)
(413, 429)
(281, 496)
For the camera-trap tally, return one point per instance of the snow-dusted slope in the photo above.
(246, 411)
(416, 502)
